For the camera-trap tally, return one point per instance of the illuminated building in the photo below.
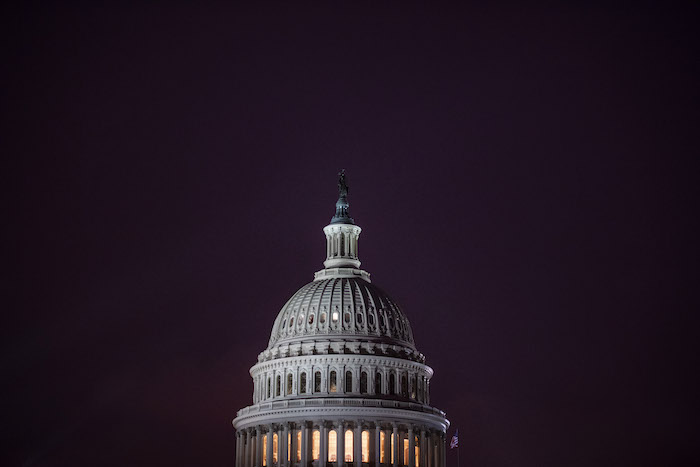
(341, 377)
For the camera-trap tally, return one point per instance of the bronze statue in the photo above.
(342, 186)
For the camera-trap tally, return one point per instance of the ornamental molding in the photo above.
(322, 362)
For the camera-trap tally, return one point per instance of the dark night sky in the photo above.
(523, 177)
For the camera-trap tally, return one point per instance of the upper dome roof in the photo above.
(342, 307)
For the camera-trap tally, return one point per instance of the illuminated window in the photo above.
(382, 447)
(393, 441)
(332, 446)
(289, 383)
(365, 446)
(363, 382)
(335, 316)
(278, 386)
(334, 382)
(264, 446)
(311, 318)
(302, 384)
(299, 446)
(378, 383)
(348, 446)
(392, 384)
(275, 447)
(289, 446)
(348, 381)
(317, 381)
(315, 444)
(405, 452)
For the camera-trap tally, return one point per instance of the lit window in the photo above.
(264, 446)
(311, 318)
(365, 446)
(335, 316)
(299, 446)
(348, 446)
(275, 447)
(315, 444)
(332, 446)
(382, 448)
(393, 441)
(405, 452)
(334, 382)
(289, 446)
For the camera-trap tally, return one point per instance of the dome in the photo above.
(347, 308)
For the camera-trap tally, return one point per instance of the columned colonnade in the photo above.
(357, 444)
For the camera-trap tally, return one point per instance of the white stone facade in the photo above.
(341, 382)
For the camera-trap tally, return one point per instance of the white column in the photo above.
(323, 448)
(374, 450)
(305, 444)
(341, 443)
(357, 440)
(268, 450)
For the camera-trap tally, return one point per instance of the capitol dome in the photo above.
(341, 382)
(346, 308)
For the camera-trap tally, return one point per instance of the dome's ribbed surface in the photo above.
(341, 307)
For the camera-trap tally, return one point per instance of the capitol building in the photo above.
(341, 382)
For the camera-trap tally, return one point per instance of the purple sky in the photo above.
(523, 178)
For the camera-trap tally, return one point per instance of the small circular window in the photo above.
(359, 318)
(370, 319)
(301, 319)
(335, 316)
(347, 317)
(322, 319)
(311, 318)
(291, 322)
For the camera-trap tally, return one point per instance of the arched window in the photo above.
(275, 446)
(332, 446)
(414, 385)
(269, 387)
(317, 381)
(342, 244)
(290, 384)
(315, 444)
(365, 446)
(392, 384)
(278, 386)
(404, 386)
(348, 381)
(334, 382)
(363, 382)
(302, 384)
(378, 383)
(348, 446)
